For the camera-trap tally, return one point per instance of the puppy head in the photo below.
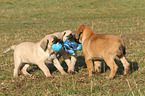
(82, 30)
(79, 33)
(68, 35)
(47, 42)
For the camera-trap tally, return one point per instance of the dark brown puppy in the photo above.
(100, 46)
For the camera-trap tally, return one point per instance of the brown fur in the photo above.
(101, 46)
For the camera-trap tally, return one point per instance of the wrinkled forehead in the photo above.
(68, 32)
(51, 38)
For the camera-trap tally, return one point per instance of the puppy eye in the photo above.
(70, 35)
(57, 40)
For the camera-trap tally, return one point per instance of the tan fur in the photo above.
(35, 53)
(100, 46)
(70, 59)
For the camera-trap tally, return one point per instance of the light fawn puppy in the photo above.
(35, 53)
(101, 46)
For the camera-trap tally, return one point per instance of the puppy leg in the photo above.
(17, 63)
(89, 65)
(71, 67)
(24, 70)
(44, 68)
(73, 62)
(111, 63)
(126, 65)
(92, 67)
(58, 66)
(68, 62)
(97, 65)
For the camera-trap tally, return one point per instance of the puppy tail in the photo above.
(12, 47)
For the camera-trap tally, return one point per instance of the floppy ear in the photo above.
(79, 31)
(64, 34)
(44, 44)
(78, 34)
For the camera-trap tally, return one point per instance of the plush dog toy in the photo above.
(69, 46)
(56, 47)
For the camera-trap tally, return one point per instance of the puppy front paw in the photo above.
(72, 72)
(50, 77)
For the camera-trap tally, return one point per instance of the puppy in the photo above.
(35, 53)
(100, 46)
(70, 59)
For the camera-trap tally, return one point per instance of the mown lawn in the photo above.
(31, 20)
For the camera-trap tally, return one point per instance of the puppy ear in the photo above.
(64, 34)
(79, 32)
(57, 40)
(44, 44)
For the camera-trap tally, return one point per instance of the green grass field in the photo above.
(31, 20)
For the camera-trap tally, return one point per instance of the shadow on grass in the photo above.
(80, 63)
(34, 68)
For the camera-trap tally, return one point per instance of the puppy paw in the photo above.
(99, 71)
(126, 72)
(50, 77)
(64, 73)
(30, 75)
(72, 71)
(110, 77)
(15, 76)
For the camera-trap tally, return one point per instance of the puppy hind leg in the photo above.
(113, 66)
(71, 68)
(44, 68)
(58, 66)
(17, 63)
(97, 65)
(92, 67)
(24, 70)
(68, 62)
(126, 65)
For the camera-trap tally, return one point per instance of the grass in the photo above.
(31, 20)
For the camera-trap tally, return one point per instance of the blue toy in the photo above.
(68, 46)
(71, 46)
(56, 47)
(79, 47)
